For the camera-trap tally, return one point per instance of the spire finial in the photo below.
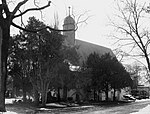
(69, 10)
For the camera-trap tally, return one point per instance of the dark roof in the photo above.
(85, 49)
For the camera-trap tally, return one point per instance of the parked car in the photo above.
(140, 94)
(128, 98)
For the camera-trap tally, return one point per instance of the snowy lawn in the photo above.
(15, 109)
(145, 110)
(11, 100)
(56, 107)
(142, 100)
(50, 107)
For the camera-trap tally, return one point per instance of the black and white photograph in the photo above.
(74, 57)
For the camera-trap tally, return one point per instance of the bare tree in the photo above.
(120, 54)
(133, 28)
(6, 20)
(80, 19)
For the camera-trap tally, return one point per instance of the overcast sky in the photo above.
(97, 28)
(95, 31)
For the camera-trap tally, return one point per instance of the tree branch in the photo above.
(4, 1)
(127, 32)
(22, 20)
(18, 6)
(5, 8)
(21, 28)
(37, 30)
(79, 21)
(32, 9)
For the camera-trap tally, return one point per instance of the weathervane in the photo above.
(69, 10)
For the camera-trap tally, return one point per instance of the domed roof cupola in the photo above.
(69, 24)
(69, 20)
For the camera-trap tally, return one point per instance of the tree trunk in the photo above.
(4, 44)
(58, 95)
(114, 96)
(106, 92)
(24, 93)
(147, 59)
(65, 93)
(77, 98)
(43, 95)
(2, 97)
(97, 95)
(24, 89)
(94, 95)
(36, 97)
(14, 92)
(24, 96)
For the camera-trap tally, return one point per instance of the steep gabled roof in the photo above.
(84, 49)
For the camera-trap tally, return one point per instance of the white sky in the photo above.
(97, 29)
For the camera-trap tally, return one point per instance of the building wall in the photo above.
(69, 35)
(119, 94)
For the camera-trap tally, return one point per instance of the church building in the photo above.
(84, 48)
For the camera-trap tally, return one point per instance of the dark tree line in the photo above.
(107, 73)
(41, 61)
(37, 55)
(7, 16)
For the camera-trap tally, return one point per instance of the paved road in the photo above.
(124, 109)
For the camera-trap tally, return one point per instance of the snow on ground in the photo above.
(64, 106)
(11, 100)
(56, 105)
(9, 112)
(142, 100)
(145, 110)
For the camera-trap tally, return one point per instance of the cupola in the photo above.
(69, 24)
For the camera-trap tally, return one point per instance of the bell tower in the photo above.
(69, 24)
